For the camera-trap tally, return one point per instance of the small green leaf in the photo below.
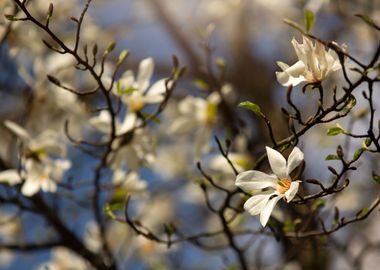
(201, 84)
(332, 157)
(367, 142)
(11, 17)
(123, 55)
(309, 19)
(108, 211)
(251, 106)
(335, 130)
(362, 212)
(110, 47)
(358, 153)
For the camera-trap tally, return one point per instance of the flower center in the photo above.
(136, 104)
(283, 185)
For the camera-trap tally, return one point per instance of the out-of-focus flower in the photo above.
(135, 92)
(130, 182)
(45, 143)
(197, 114)
(269, 189)
(313, 66)
(132, 147)
(39, 170)
(63, 259)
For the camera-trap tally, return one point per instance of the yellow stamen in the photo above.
(283, 185)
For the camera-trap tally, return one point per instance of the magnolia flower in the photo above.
(197, 114)
(132, 148)
(135, 92)
(269, 189)
(46, 143)
(313, 66)
(131, 182)
(37, 175)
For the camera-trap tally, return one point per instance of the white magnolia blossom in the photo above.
(268, 189)
(45, 143)
(38, 175)
(39, 170)
(313, 66)
(198, 114)
(135, 92)
(132, 148)
(131, 181)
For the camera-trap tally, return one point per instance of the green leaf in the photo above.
(123, 55)
(358, 153)
(376, 177)
(362, 212)
(201, 84)
(335, 131)
(367, 142)
(110, 47)
(11, 17)
(332, 157)
(368, 20)
(309, 19)
(251, 106)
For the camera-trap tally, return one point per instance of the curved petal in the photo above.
(49, 185)
(254, 180)
(295, 158)
(144, 74)
(30, 187)
(102, 122)
(267, 210)
(17, 130)
(159, 87)
(297, 69)
(277, 163)
(292, 191)
(256, 203)
(10, 176)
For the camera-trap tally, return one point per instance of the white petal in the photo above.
(297, 69)
(159, 87)
(30, 187)
(145, 73)
(102, 122)
(282, 65)
(17, 130)
(10, 176)
(49, 185)
(152, 98)
(267, 210)
(254, 180)
(277, 163)
(295, 158)
(292, 191)
(256, 203)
